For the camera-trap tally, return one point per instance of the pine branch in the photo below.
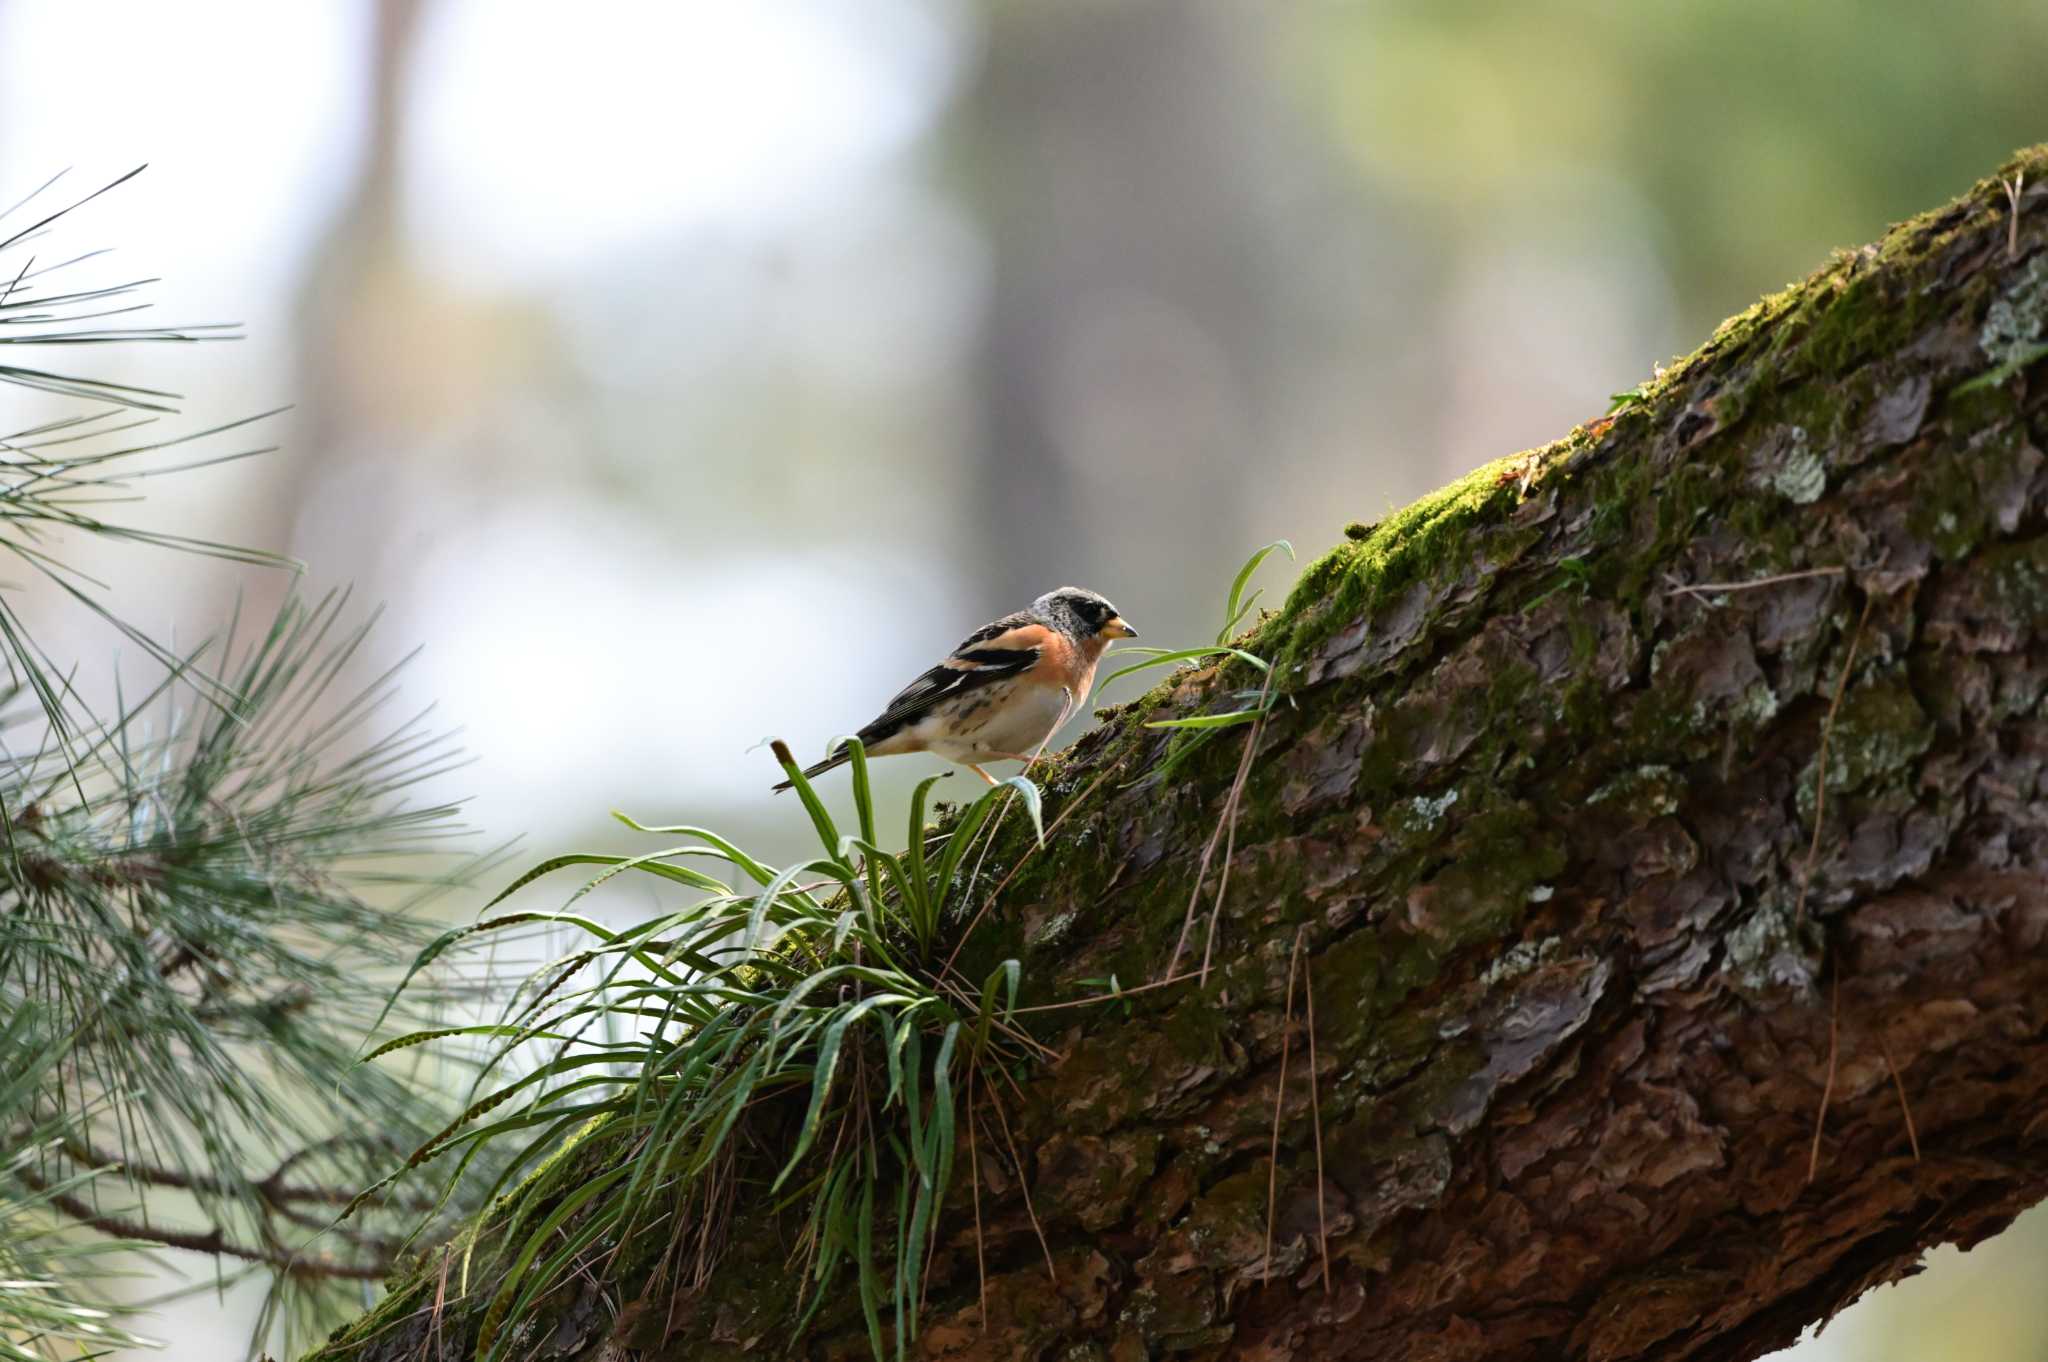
(200, 918)
(214, 1242)
(208, 891)
(55, 472)
(47, 1282)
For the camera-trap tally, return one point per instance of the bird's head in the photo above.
(1082, 613)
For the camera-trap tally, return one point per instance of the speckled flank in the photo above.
(1001, 721)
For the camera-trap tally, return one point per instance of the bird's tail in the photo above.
(838, 758)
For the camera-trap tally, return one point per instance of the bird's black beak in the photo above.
(1114, 627)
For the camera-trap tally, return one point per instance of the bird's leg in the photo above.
(1026, 757)
(983, 774)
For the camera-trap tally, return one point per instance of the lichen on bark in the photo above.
(1540, 802)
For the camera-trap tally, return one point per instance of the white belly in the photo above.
(989, 725)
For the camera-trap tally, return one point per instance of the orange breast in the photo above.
(1061, 664)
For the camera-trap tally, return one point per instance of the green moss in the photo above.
(1498, 858)
(1366, 977)
(1412, 544)
(1849, 319)
(1948, 508)
(1846, 314)
(1761, 317)
(1394, 1049)
(408, 1293)
(1879, 732)
(2015, 579)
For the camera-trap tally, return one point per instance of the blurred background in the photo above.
(681, 374)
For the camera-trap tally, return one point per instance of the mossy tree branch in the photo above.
(1642, 1028)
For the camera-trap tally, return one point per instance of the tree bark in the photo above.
(1678, 951)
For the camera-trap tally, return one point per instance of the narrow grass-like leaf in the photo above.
(970, 822)
(2024, 357)
(434, 949)
(1163, 657)
(924, 912)
(755, 870)
(1227, 720)
(863, 803)
(1033, 805)
(903, 1300)
(422, 1037)
(494, 1316)
(616, 865)
(942, 1110)
(821, 818)
(1007, 974)
(1238, 606)
(827, 1066)
(864, 1251)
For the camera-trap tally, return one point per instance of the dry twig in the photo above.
(1827, 1093)
(2012, 218)
(1106, 997)
(1716, 588)
(1076, 802)
(1315, 1107)
(1905, 1107)
(1024, 1185)
(1227, 822)
(300, 1265)
(1820, 778)
(1279, 1099)
(974, 1174)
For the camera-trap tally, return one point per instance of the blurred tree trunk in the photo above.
(1127, 343)
(361, 244)
(350, 327)
(1676, 953)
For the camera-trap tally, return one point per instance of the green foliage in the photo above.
(63, 466)
(1255, 702)
(49, 1296)
(206, 888)
(1250, 703)
(809, 1014)
(1240, 604)
(190, 901)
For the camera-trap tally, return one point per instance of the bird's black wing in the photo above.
(1005, 648)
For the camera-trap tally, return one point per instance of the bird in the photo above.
(1003, 691)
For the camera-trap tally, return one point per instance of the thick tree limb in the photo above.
(1544, 794)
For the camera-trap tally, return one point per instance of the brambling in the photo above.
(1004, 691)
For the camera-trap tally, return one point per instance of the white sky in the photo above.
(641, 119)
